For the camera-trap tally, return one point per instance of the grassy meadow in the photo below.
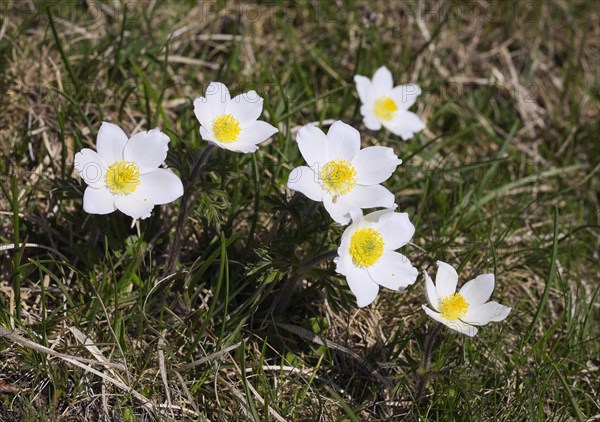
(253, 323)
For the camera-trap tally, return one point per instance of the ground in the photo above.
(503, 180)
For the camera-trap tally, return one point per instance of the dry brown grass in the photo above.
(483, 66)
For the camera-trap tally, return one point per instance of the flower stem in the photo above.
(425, 376)
(16, 270)
(183, 207)
(284, 296)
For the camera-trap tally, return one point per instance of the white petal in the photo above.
(396, 229)
(110, 142)
(377, 216)
(343, 263)
(478, 290)
(245, 107)
(339, 210)
(432, 296)
(207, 135)
(303, 179)
(455, 324)
(343, 140)
(98, 201)
(134, 207)
(356, 216)
(445, 279)
(362, 286)
(382, 83)
(244, 147)
(204, 112)
(91, 167)
(256, 132)
(232, 146)
(405, 95)
(435, 315)
(159, 187)
(370, 197)
(363, 86)
(405, 124)
(462, 327)
(394, 271)
(313, 146)
(349, 231)
(375, 165)
(369, 119)
(217, 96)
(147, 149)
(483, 314)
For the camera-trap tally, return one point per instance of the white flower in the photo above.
(341, 175)
(231, 123)
(124, 174)
(461, 311)
(382, 104)
(367, 257)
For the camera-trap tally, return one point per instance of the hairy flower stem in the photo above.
(183, 207)
(291, 285)
(424, 370)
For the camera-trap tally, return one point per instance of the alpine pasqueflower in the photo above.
(231, 123)
(367, 256)
(340, 174)
(463, 310)
(124, 174)
(384, 104)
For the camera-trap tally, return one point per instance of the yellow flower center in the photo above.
(366, 247)
(227, 128)
(123, 177)
(338, 177)
(454, 306)
(385, 108)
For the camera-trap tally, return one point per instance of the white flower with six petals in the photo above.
(384, 104)
(231, 123)
(367, 257)
(463, 310)
(341, 175)
(124, 174)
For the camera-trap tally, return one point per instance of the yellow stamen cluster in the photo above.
(366, 247)
(226, 128)
(454, 306)
(385, 108)
(123, 177)
(338, 177)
